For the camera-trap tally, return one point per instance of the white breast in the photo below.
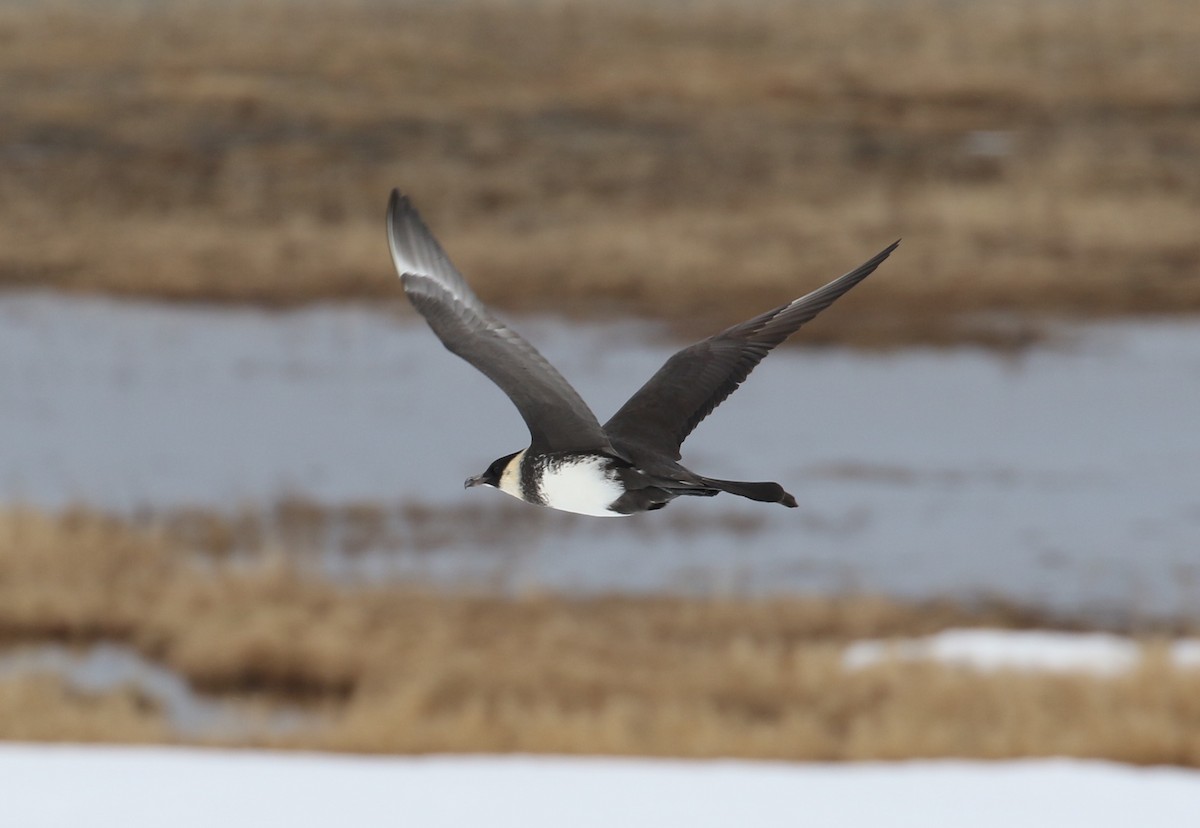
(582, 486)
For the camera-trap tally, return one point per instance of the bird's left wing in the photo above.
(696, 380)
(557, 417)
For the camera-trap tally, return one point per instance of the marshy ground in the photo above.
(697, 165)
(402, 668)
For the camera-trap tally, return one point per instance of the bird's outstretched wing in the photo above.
(558, 419)
(693, 382)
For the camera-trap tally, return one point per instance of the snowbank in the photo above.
(66, 786)
(1097, 653)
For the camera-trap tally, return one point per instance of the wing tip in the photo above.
(407, 234)
(887, 251)
(399, 208)
(398, 202)
(868, 267)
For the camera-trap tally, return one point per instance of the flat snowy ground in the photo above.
(67, 786)
(1101, 654)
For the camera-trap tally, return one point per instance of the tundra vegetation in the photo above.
(694, 162)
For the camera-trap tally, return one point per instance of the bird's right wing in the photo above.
(696, 380)
(557, 417)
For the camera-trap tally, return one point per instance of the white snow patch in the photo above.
(67, 785)
(1186, 653)
(1101, 654)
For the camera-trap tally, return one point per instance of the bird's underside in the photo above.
(646, 493)
(631, 463)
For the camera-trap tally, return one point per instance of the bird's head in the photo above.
(499, 475)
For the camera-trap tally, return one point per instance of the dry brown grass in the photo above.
(1038, 156)
(40, 708)
(400, 668)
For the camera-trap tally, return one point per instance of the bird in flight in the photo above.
(574, 464)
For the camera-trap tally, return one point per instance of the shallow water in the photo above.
(105, 668)
(1067, 477)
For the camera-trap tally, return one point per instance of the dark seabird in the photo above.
(631, 463)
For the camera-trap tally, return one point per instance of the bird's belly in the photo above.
(583, 486)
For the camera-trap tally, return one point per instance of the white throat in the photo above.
(510, 478)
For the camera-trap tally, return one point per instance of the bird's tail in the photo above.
(762, 492)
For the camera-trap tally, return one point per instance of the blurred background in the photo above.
(230, 483)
